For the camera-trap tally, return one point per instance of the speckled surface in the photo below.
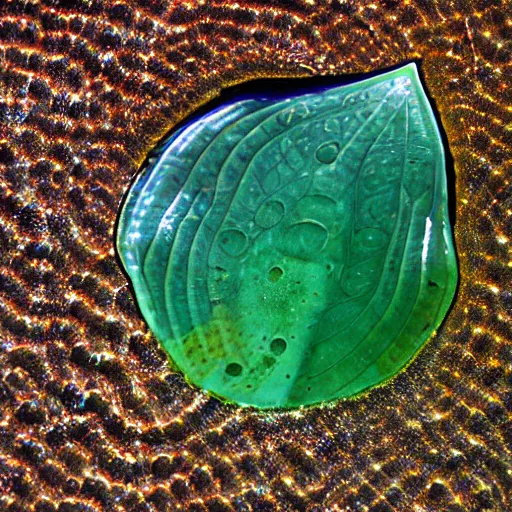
(91, 416)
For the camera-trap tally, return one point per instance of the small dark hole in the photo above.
(233, 369)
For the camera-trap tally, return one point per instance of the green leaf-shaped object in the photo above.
(288, 252)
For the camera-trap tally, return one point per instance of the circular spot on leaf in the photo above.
(278, 346)
(234, 369)
(233, 242)
(269, 214)
(274, 274)
(327, 152)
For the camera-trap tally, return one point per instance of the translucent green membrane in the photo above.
(288, 252)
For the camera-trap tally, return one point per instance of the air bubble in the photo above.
(328, 152)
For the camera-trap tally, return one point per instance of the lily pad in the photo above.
(286, 252)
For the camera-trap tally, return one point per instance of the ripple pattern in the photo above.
(91, 417)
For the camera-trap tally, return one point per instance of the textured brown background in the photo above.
(91, 418)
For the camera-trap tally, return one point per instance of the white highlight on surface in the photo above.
(426, 240)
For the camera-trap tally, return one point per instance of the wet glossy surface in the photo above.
(288, 252)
